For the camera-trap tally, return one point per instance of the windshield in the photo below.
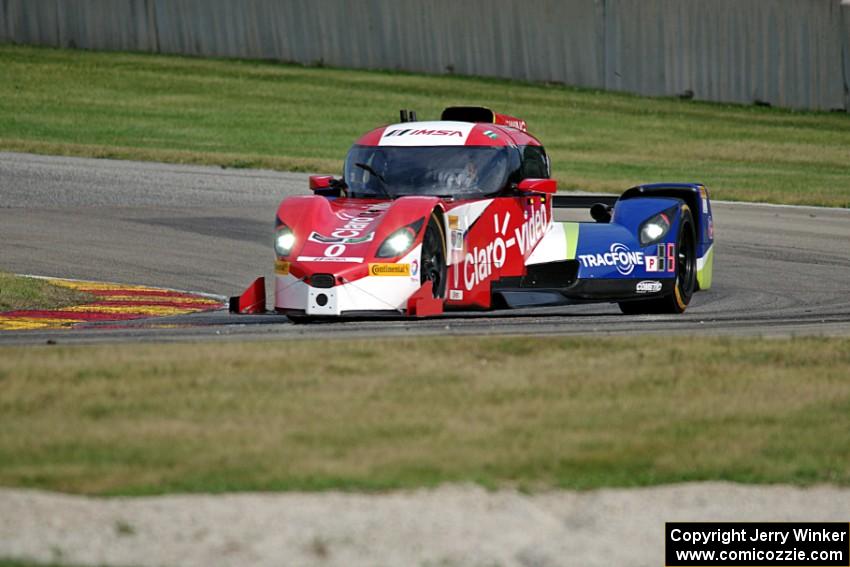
(448, 171)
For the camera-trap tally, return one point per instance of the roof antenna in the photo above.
(413, 116)
(404, 116)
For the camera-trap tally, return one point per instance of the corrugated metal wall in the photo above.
(783, 52)
(88, 24)
(793, 53)
(845, 53)
(553, 40)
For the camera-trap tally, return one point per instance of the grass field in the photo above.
(263, 114)
(523, 412)
(29, 293)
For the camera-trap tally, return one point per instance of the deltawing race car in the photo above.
(457, 214)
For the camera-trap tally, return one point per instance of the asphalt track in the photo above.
(778, 270)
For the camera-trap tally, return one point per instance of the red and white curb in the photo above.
(115, 302)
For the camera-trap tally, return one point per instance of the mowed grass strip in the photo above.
(17, 292)
(531, 413)
(269, 115)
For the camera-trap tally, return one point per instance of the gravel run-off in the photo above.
(451, 525)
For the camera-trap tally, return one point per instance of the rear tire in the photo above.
(686, 275)
(434, 256)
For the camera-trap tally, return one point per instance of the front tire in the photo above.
(686, 275)
(434, 257)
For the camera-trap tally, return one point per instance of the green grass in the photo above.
(530, 413)
(29, 293)
(263, 114)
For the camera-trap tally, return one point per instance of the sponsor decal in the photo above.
(648, 286)
(423, 132)
(664, 260)
(490, 134)
(456, 294)
(531, 231)
(414, 268)
(515, 123)
(618, 256)
(389, 269)
(455, 234)
(349, 233)
(329, 259)
(457, 239)
(710, 227)
(281, 268)
(355, 223)
(479, 262)
(434, 133)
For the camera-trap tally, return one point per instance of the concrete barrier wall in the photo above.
(792, 53)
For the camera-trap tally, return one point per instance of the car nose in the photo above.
(322, 301)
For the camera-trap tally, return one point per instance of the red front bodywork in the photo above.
(312, 217)
(486, 239)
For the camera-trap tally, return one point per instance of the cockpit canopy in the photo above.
(464, 172)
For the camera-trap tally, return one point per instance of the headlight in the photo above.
(284, 240)
(400, 241)
(655, 228)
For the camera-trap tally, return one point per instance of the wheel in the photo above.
(434, 257)
(686, 275)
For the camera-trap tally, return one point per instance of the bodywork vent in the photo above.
(322, 280)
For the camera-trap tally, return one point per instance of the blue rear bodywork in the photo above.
(610, 259)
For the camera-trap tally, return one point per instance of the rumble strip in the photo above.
(114, 302)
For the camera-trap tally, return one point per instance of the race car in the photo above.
(457, 214)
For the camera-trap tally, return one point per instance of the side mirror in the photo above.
(326, 185)
(538, 186)
(600, 212)
(321, 181)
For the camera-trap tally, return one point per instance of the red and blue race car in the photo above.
(457, 214)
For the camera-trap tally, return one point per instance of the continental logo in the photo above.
(281, 268)
(389, 269)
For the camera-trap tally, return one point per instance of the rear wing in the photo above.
(582, 201)
(694, 194)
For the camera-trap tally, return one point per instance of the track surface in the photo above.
(778, 270)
